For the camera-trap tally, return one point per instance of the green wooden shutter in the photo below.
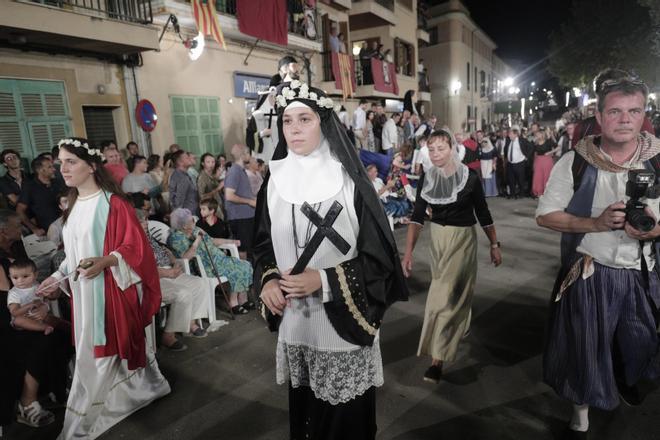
(34, 115)
(196, 121)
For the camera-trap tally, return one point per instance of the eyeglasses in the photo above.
(11, 157)
(617, 81)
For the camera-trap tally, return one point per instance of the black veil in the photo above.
(377, 240)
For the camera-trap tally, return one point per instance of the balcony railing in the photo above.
(302, 22)
(134, 11)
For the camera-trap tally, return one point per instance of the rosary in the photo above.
(308, 233)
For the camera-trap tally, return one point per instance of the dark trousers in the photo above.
(515, 177)
(604, 328)
(314, 419)
(241, 229)
(500, 177)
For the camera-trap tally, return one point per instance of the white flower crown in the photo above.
(300, 90)
(91, 151)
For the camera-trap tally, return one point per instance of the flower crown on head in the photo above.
(91, 151)
(300, 90)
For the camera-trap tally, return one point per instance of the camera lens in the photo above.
(639, 220)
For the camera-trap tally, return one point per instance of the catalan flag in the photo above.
(206, 18)
(344, 73)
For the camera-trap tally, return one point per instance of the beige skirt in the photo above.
(449, 302)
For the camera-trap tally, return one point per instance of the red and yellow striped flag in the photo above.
(343, 71)
(206, 18)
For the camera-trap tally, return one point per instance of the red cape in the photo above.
(125, 315)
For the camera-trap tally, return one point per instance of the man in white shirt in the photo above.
(421, 158)
(603, 340)
(333, 40)
(360, 124)
(514, 155)
(391, 134)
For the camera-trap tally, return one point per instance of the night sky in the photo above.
(520, 28)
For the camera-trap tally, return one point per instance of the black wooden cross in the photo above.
(323, 229)
(270, 116)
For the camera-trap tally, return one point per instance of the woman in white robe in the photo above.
(115, 370)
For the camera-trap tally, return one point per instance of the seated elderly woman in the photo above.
(185, 240)
(185, 294)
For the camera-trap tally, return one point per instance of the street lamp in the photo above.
(508, 82)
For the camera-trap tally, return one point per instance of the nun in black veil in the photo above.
(326, 289)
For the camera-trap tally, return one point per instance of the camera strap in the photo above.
(644, 267)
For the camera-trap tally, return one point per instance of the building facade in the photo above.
(64, 71)
(54, 84)
(466, 78)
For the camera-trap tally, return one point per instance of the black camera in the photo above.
(641, 183)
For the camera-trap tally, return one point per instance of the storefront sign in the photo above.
(248, 86)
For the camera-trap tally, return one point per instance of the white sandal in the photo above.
(34, 415)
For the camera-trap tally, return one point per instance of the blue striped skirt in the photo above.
(602, 324)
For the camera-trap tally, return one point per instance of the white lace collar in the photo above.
(312, 178)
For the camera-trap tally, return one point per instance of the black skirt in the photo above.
(314, 419)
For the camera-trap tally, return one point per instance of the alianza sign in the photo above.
(248, 85)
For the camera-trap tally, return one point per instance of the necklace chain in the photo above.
(308, 232)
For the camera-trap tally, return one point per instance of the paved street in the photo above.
(224, 388)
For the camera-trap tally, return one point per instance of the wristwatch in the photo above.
(495, 245)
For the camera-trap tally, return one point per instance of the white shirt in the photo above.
(22, 297)
(378, 185)
(390, 135)
(422, 158)
(343, 117)
(611, 248)
(334, 43)
(359, 119)
(514, 154)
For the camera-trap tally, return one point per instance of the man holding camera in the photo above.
(602, 340)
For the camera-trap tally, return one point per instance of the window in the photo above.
(475, 78)
(468, 76)
(404, 58)
(34, 115)
(469, 115)
(99, 124)
(196, 121)
(482, 91)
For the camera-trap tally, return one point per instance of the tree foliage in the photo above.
(654, 9)
(605, 33)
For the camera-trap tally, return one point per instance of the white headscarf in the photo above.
(442, 184)
(312, 178)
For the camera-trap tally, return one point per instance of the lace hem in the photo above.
(334, 376)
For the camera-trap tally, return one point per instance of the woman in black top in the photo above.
(455, 195)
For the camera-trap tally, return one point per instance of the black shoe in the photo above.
(629, 395)
(249, 305)
(570, 434)
(433, 374)
(239, 310)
